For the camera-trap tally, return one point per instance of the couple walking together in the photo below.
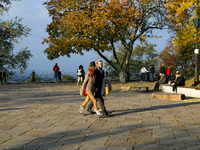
(94, 82)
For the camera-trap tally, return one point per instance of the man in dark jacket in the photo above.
(99, 75)
(162, 69)
(180, 81)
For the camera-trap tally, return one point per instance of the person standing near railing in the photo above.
(56, 71)
(80, 73)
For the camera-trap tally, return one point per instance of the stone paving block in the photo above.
(115, 148)
(45, 140)
(32, 146)
(16, 143)
(5, 127)
(99, 141)
(34, 133)
(171, 141)
(192, 146)
(119, 137)
(119, 144)
(4, 137)
(70, 147)
(50, 146)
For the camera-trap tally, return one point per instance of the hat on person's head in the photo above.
(177, 72)
(92, 63)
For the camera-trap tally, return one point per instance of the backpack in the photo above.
(79, 72)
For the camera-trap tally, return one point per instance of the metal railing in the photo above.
(32, 78)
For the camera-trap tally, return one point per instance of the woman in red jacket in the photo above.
(168, 73)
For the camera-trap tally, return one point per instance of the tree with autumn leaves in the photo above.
(180, 50)
(100, 25)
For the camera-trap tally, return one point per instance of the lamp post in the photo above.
(196, 52)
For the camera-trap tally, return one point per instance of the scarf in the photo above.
(91, 72)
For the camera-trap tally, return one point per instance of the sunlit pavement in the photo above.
(45, 117)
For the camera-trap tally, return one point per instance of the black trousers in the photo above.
(174, 87)
(156, 87)
(99, 98)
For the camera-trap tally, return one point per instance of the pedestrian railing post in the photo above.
(4, 77)
(33, 76)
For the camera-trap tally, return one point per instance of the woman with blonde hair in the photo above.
(88, 84)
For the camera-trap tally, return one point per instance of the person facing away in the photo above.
(162, 80)
(179, 81)
(56, 71)
(168, 74)
(99, 73)
(143, 73)
(162, 69)
(152, 71)
(80, 73)
(88, 85)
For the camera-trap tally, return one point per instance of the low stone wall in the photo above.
(190, 92)
(135, 88)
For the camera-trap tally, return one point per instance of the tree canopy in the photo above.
(85, 25)
(11, 31)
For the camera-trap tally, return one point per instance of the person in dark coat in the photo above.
(180, 81)
(99, 75)
(162, 69)
(80, 73)
(162, 80)
(152, 71)
(56, 71)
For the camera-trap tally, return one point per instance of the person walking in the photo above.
(56, 71)
(143, 73)
(99, 73)
(152, 71)
(89, 88)
(162, 80)
(80, 73)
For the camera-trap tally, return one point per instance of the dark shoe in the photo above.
(103, 116)
(91, 112)
(108, 112)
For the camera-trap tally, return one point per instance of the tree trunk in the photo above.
(122, 76)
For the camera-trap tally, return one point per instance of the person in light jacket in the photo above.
(143, 73)
(88, 85)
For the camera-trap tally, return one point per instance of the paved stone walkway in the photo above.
(45, 117)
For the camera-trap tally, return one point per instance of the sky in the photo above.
(36, 17)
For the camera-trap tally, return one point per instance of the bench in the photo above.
(187, 91)
(135, 88)
(168, 96)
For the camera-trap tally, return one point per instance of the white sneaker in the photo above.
(81, 109)
(173, 92)
(98, 112)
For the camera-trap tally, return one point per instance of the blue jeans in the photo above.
(151, 77)
(143, 76)
(56, 76)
